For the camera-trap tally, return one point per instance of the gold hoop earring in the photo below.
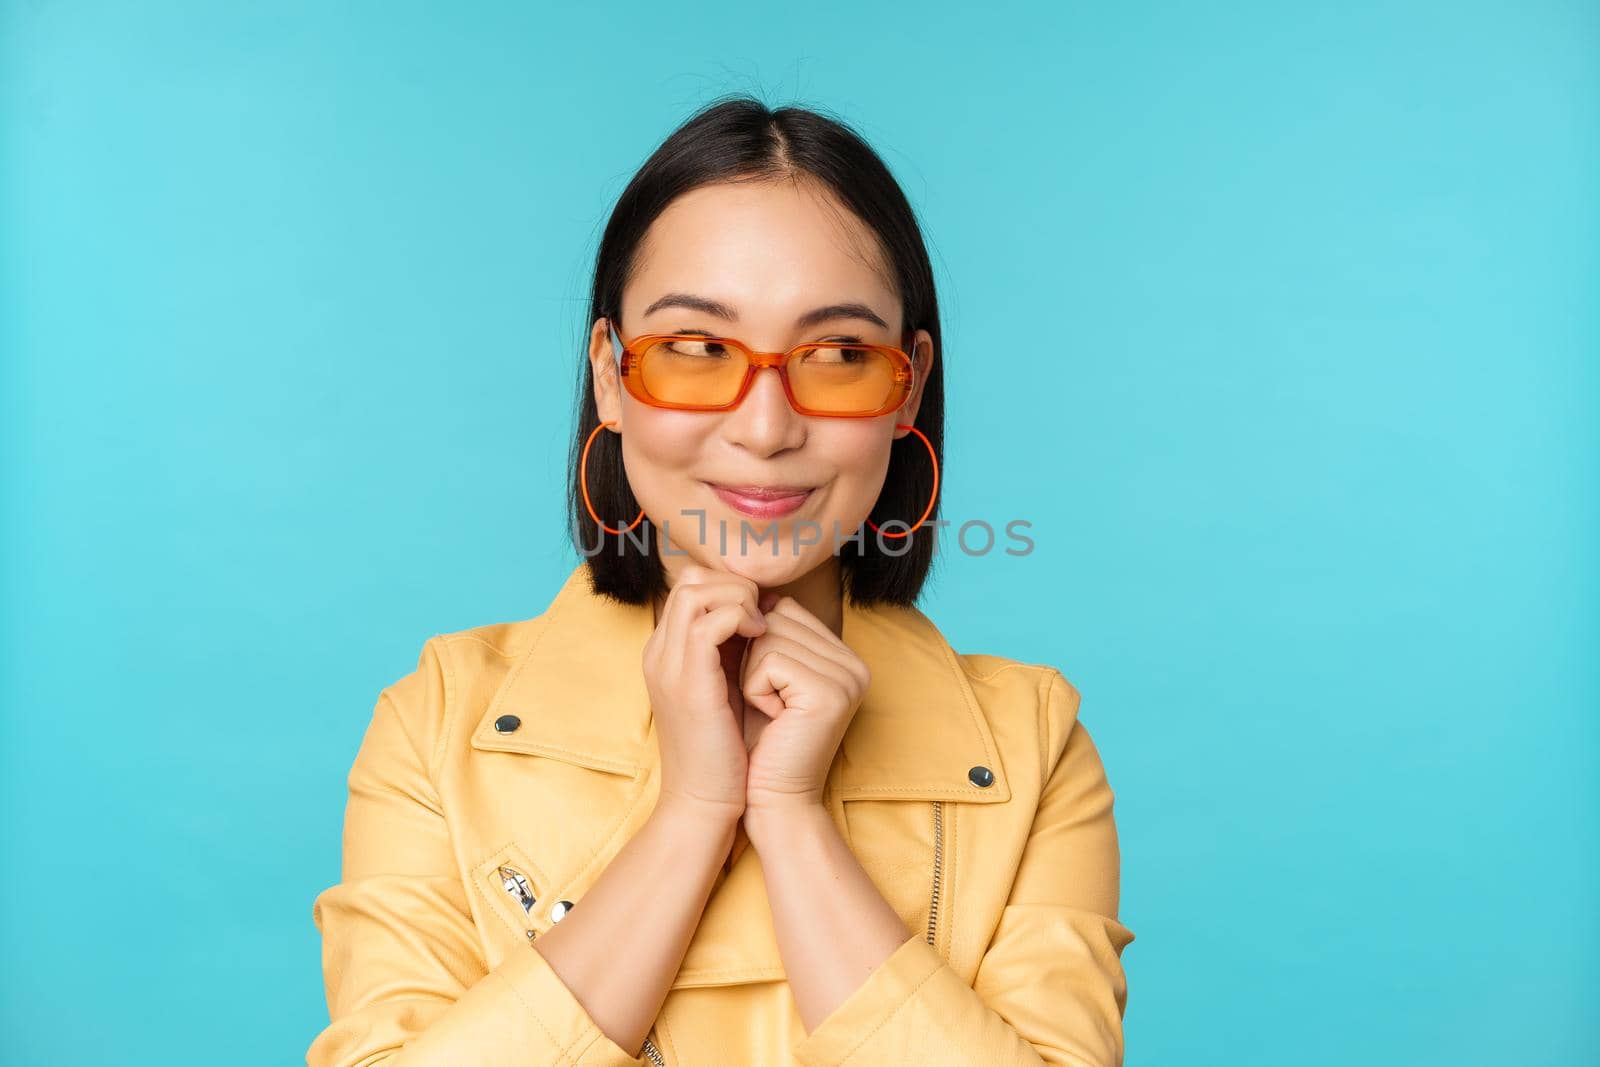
(583, 483)
(931, 497)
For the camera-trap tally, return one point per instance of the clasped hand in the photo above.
(752, 694)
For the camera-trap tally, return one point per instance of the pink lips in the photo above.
(762, 502)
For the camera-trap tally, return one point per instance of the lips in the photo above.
(763, 501)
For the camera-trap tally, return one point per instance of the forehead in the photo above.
(766, 248)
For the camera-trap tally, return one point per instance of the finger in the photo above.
(802, 643)
(765, 676)
(696, 579)
(698, 641)
(686, 602)
(689, 599)
(710, 630)
(790, 608)
(776, 673)
(769, 705)
(795, 617)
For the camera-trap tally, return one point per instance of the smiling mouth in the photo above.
(763, 501)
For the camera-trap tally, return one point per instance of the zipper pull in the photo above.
(517, 885)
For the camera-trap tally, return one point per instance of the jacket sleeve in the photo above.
(1050, 988)
(403, 970)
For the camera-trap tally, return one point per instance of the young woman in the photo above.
(732, 798)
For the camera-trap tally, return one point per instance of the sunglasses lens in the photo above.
(693, 372)
(828, 379)
(842, 380)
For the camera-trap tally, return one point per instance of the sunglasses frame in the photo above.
(629, 354)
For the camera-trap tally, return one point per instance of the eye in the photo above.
(838, 356)
(707, 349)
(845, 356)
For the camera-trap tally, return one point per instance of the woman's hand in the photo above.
(690, 662)
(808, 684)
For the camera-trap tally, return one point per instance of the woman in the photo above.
(731, 798)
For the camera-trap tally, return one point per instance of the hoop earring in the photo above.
(931, 497)
(583, 482)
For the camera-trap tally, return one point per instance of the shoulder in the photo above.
(1061, 766)
(454, 670)
(487, 650)
(1010, 690)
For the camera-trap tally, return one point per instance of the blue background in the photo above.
(1278, 321)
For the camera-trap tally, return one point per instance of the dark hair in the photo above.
(740, 138)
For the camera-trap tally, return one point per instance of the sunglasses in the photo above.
(693, 372)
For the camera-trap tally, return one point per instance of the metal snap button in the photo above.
(506, 723)
(559, 912)
(982, 777)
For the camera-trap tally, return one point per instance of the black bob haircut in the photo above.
(738, 138)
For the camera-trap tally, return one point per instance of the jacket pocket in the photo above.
(516, 891)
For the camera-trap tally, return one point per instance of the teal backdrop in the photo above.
(1278, 321)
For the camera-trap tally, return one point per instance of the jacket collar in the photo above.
(582, 698)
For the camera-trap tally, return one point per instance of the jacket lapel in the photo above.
(578, 688)
(920, 729)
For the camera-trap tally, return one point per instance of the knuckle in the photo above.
(704, 619)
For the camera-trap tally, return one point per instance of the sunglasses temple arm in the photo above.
(616, 338)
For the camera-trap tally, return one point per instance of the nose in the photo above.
(764, 422)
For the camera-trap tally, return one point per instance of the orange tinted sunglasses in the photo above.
(897, 384)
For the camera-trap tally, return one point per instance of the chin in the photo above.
(767, 571)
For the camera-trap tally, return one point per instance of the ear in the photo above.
(603, 368)
(921, 354)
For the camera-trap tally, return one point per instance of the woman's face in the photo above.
(768, 253)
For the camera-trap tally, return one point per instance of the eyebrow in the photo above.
(816, 316)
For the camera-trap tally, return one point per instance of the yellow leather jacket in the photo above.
(497, 780)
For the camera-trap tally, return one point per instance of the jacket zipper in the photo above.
(938, 868)
(652, 1053)
(516, 884)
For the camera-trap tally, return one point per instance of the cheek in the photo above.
(660, 449)
(860, 459)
